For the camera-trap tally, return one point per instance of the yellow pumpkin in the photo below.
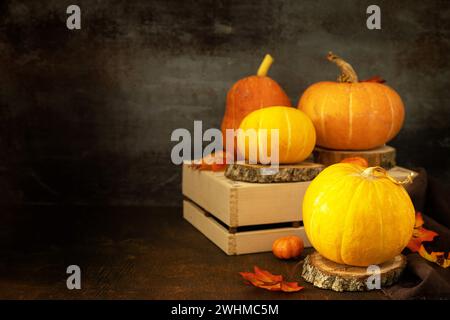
(357, 216)
(297, 136)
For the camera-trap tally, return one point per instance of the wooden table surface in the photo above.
(129, 253)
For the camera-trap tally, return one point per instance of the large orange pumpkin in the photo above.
(250, 94)
(351, 114)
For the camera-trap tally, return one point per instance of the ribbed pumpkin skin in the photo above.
(297, 136)
(353, 116)
(356, 220)
(250, 94)
(288, 247)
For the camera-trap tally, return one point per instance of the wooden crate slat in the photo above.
(211, 190)
(239, 242)
(208, 226)
(262, 240)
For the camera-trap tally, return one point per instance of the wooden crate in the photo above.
(238, 203)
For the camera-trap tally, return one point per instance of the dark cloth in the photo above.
(423, 279)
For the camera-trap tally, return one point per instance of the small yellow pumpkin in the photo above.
(357, 216)
(297, 135)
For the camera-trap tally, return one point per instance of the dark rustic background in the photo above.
(86, 116)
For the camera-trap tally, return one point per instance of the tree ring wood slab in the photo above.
(256, 173)
(383, 156)
(327, 274)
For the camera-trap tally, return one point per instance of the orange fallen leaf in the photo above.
(251, 278)
(436, 257)
(266, 276)
(266, 280)
(213, 162)
(419, 220)
(356, 160)
(290, 286)
(272, 287)
(377, 79)
(420, 234)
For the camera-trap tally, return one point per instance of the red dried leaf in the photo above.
(420, 234)
(376, 79)
(268, 281)
(272, 287)
(266, 276)
(424, 234)
(213, 162)
(419, 220)
(414, 244)
(290, 287)
(251, 278)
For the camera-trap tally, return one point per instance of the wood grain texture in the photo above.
(132, 253)
(327, 274)
(383, 156)
(256, 173)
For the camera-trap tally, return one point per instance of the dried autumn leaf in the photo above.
(213, 162)
(251, 278)
(290, 286)
(419, 220)
(420, 234)
(436, 257)
(272, 287)
(376, 79)
(266, 280)
(266, 276)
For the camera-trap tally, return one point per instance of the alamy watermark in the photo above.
(254, 145)
(374, 280)
(373, 22)
(74, 280)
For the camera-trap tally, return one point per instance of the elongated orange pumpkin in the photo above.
(357, 216)
(250, 94)
(351, 114)
(296, 134)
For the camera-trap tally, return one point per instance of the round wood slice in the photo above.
(327, 274)
(383, 156)
(257, 173)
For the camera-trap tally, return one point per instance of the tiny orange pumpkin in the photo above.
(356, 160)
(288, 247)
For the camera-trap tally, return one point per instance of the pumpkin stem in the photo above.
(265, 66)
(348, 74)
(380, 172)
